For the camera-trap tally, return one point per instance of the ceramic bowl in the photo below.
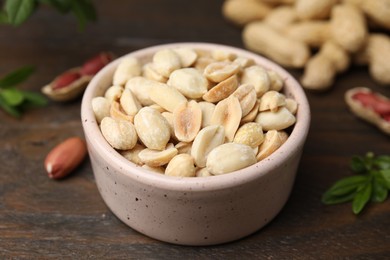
(197, 210)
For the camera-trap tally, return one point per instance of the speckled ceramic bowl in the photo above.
(195, 211)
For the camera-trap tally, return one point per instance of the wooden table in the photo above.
(45, 219)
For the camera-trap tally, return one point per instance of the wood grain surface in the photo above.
(45, 219)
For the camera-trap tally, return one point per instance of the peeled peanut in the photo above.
(202, 172)
(101, 108)
(156, 158)
(250, 134)
(182, 165)
(129, 102)
(117, 112)
(140, 87)
(167, 97)
(227, 113)
(166, 61)
(187, 120)
(251, 116)
(187, 56)
(221, 70)
(207, 139)
(128, 67)
(229, 157)
(273, 139)
(292, 105)
(149, 72)
(120, 134)
(152, 128)
(277, 81)
(223, 55)
(258, 77)
(247, 96)
(65, 157)
(278, 120)
(272, 100)
(222, 90)
(207, 112)
(113, 93)
(189, 81)
(132, 154)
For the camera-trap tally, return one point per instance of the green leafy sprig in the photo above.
(14, 101)
(372, 183)
(15, 12)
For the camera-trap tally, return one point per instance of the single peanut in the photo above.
(65, 157)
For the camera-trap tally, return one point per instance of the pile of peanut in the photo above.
(194, 113)
(324, 37)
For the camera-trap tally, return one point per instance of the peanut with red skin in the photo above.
(93, 65)
(376, 103)
(65, 157)
(65, 79)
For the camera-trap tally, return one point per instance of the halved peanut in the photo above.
(222, 55)
(202, 172)
(187, 56)
(149, 72)
(230, 157)
(165, 61)
(227, 113)
(120, 134)
(292, 105)
(272, 100)
(273, 139)
(167, 97)
(207, 139)
(187, 120)
(129, 67)
(129, 102)
(113, 93)
(117, 112)
(152, 128)
(220, 70)
(182, 165)
(202, 62)
(189, 81)
(277, 81)
(278, 120)
(140, 87)
(258, 77)
(244, 62)
(184, 147)
(222, 90)
(132, 154)
(251, 116)
(246, 94)
(207, 112)
(156, 158)
(250, 134)
(101, 108)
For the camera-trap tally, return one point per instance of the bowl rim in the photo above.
(128, 169)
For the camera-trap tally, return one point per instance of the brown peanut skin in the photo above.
(65, 157)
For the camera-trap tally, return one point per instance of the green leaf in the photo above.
(12, 96)
(379, 189)
(342, 186)
(3, 17)
(358, 165)
(382, 162)
(361, 198)
(386, 176)
(84, 11)
(19, 10)
(34, 99)
(330, 199)
(13, 111)
(63, 6)
(16, 77)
